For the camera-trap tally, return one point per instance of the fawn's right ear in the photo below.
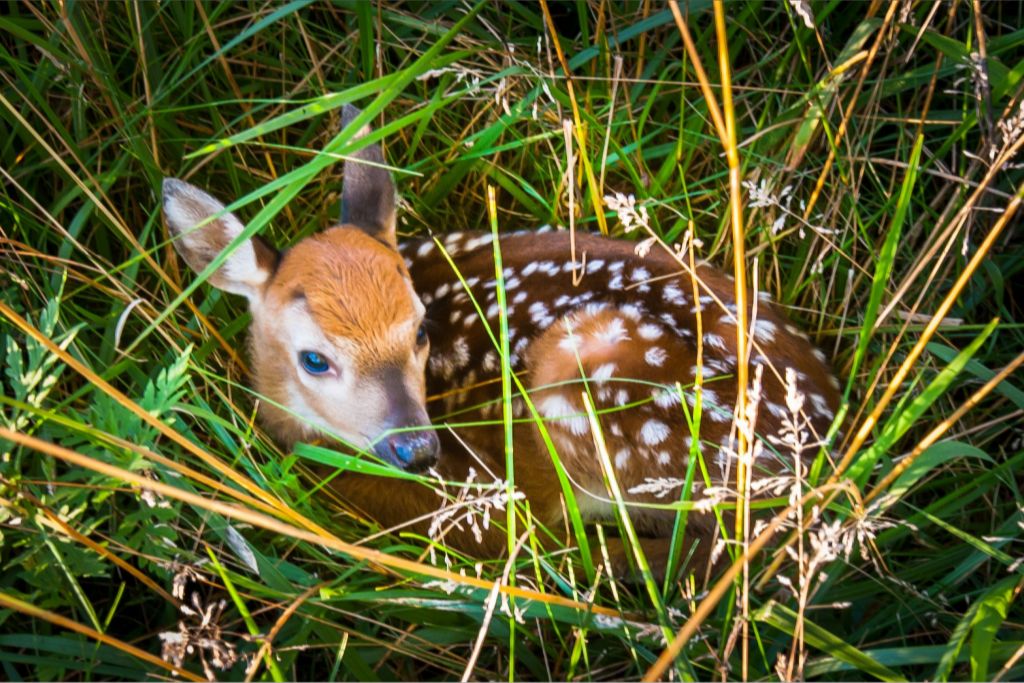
(201, 229)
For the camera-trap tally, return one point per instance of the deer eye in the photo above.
(421, 336)
(313, 363)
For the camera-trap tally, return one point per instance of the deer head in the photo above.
(337, 343)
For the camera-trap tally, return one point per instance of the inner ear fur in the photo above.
(201, 229)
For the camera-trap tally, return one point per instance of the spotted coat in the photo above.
(627, 336)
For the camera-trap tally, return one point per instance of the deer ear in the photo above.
(201, 228)
(368, 194)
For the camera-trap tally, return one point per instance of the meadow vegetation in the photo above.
(149, 528)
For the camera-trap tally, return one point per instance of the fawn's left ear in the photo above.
(202, 229)
(368, 193)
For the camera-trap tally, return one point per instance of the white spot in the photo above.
(621, 398)
(595, 265)
(508, 272)
(649, 331)
(664, 457)
(530, 269)
(477, 242)
(612, 333)
(460, 353)
(715, 341)
(708, 398)
(654, 432)
(640, 274)
(441, 364)
(519, 298)
(670, 320)
(765, 297)
(764, 330)
(615, 429)
(470, 318)
(548, 267)
(490, 362)
(538, 309)
(425, 248)
(622, 458)
(615, 282)
(603, 372)
(821, 406)
(616, 266)
(632, 311)
(492, 311)
(512, 283)
(665, 398)
(472, 282)
(656, 356)
(795, 331)
(570, 343)
(777, 410)
(454, 317)
(562, 301)
(522, 344)
(822, 358)
(568, 417)
(442, 291)
(673, 295)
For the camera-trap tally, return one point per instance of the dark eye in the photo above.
(421, 336)
(313, 363)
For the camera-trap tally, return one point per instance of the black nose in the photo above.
(414, 451)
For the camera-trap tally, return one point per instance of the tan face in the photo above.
(338, 347)
(337, 340)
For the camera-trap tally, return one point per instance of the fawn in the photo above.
(351, 332)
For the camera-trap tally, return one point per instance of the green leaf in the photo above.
(907, 416)
(887, 257)
(785, 620)
(932, 457)
(984, 612)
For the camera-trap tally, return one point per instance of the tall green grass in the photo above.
(880, 154)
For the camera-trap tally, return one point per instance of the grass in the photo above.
(872, 188)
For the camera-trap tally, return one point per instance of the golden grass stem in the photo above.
(901, 374)
(289, 611)
(908, 363)
(740, 273)
(944, 426)
(121, 227)
(31, 610)
(702, 76)
(581, 139)
(63, 527)
(274, 525)
(848, 113)
(724, 583)
(153, 421)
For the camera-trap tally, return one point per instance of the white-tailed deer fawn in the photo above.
(351, 332)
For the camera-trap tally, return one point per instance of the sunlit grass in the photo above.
(863, 169)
